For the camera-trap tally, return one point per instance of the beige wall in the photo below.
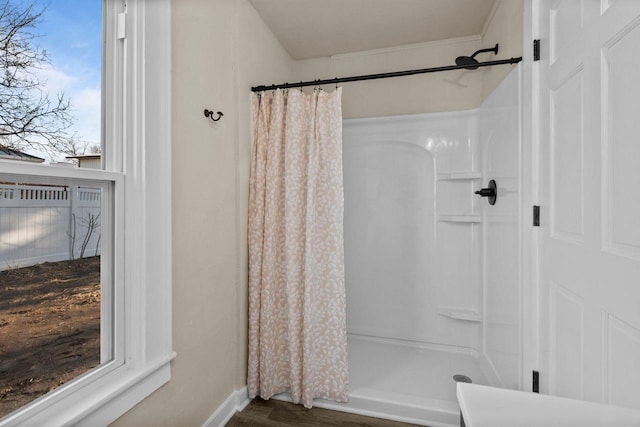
(219, 50)
(506, 27)
(445, 91)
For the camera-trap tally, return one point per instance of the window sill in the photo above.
(100, 402)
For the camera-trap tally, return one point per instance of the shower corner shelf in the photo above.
(459, 218)
(459, 176)
(458, 313)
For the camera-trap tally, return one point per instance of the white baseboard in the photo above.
(236, 402)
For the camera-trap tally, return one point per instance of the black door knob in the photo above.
(491, 192)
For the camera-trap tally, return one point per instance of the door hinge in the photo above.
(121, 26)
(535, 384)
(536, 50)
(536, 216)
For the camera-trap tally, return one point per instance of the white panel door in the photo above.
(589, 102)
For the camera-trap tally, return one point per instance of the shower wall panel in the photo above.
(500, 135)
(411, 228)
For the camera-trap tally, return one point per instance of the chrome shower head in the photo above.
(470, 62)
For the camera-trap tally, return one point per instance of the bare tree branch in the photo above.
(28, 116)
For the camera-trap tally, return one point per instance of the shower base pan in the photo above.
(404, 381)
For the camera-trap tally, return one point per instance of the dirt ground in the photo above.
(49, 328)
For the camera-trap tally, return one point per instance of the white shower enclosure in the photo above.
(432, 270)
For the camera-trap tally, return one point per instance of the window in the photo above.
(125, 218)
(56, 305)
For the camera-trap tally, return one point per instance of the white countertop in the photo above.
(484, 406)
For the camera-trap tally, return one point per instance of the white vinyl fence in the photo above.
(47, 223)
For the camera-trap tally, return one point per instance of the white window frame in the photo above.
(138, 164)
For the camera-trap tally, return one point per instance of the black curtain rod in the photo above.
(384, 75)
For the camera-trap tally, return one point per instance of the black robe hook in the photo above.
(208, 113)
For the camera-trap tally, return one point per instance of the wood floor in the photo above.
(272, 413)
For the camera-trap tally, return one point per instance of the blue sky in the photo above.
(71, 34)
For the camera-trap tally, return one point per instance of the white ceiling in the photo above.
(315, 28)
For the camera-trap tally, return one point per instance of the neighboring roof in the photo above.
(8, 153)
(84, 156)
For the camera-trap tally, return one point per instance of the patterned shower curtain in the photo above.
(297, 309)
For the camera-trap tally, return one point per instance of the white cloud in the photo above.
(86, 106)
(54, 79)
(85, 101)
